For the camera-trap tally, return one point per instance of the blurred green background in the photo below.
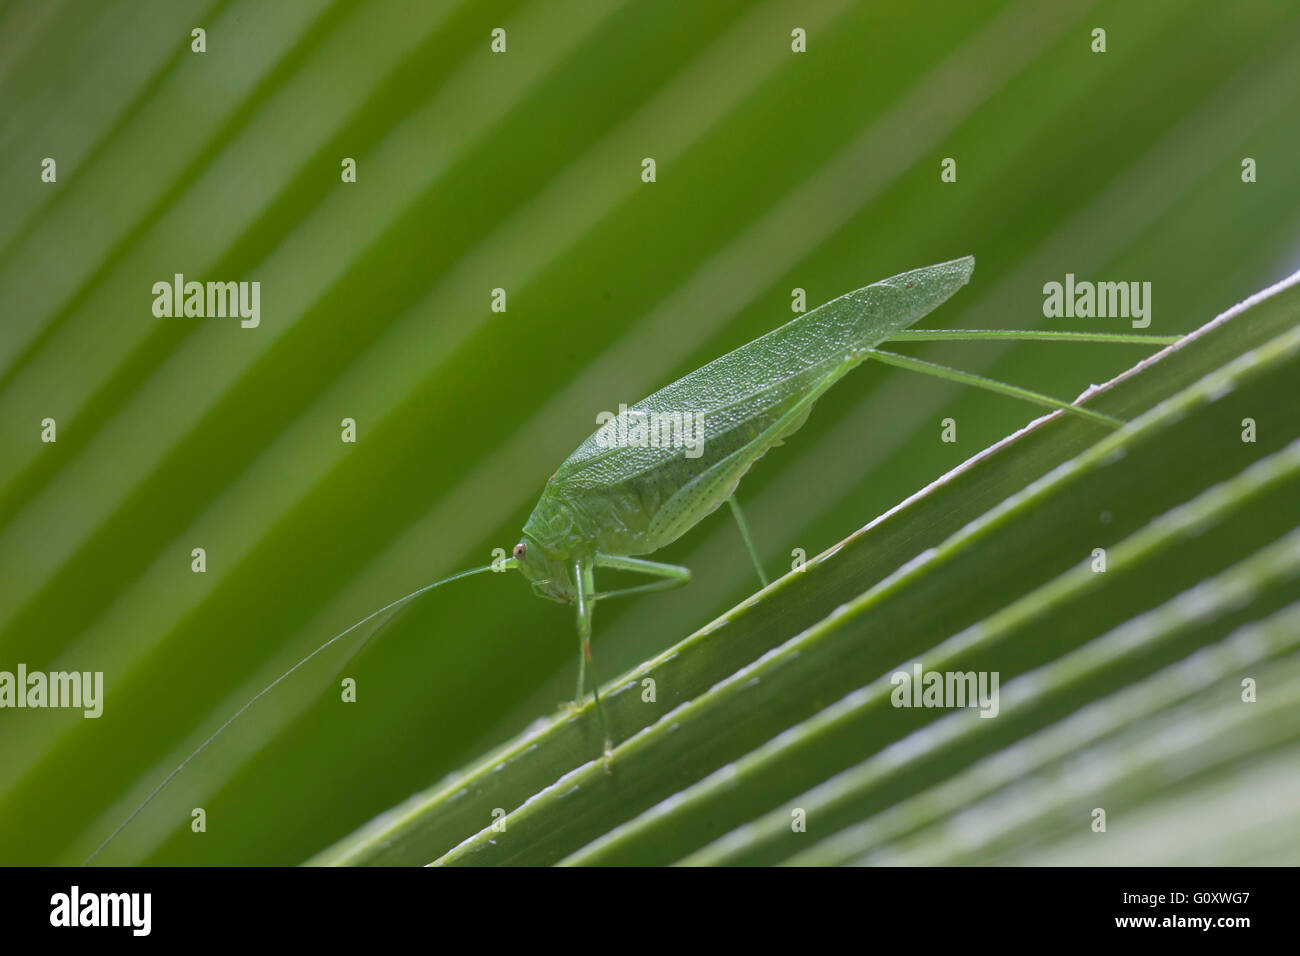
(522, 171)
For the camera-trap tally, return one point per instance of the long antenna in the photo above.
(508, 563)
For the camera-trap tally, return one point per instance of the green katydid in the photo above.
(611, 501)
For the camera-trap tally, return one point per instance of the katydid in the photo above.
(611, 501)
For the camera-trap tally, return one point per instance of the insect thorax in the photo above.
(552, 525)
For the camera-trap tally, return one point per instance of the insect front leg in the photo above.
(586, 601)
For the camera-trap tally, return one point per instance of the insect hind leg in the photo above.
(992, 385)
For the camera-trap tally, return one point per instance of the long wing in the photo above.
(618, 480)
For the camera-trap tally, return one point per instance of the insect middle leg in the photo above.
(749, 541)
(670, 575)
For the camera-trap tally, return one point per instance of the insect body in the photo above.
(612, 500)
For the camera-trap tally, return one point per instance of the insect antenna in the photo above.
(387, 608)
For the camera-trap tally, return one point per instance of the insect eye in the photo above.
(521, 551)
